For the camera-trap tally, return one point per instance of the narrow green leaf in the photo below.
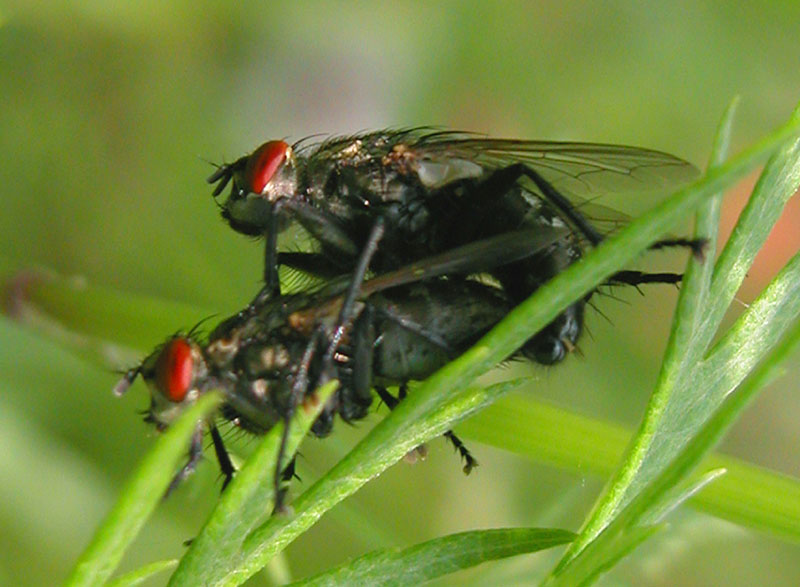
(626, 531)
(677, 408)
(748, 495)
(590, 567)
(677, 354)
(703, 386)
(682, 347)
(413, 422)
(50, 301)
(654, 498)
(247, 501)
(776, 185)
(441, 556)
(140, 497)
(757, 330)
(674, 497)
(142, 574)
(723, 419)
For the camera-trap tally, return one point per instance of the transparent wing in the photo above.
(578, 169)
(605, 183)
(478, 257)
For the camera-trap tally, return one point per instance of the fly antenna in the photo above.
(127, 379)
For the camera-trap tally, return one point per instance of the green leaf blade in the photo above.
(676, 410)
(246, 502)
(140, 575)
(441, 556)
(141, 496)
(748, 495)
(418, 418)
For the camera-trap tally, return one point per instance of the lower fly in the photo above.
(386, 331)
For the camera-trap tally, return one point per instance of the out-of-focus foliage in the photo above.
(111, 112)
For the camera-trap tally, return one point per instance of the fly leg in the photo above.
(321, 227)
(298, 392)
(697, 245)
(503, 180)
(469, 461)
(271, 280)
(272, 283)
(553, 343)
(636, 278)
(195, 454)
(343, 322)
(223, 458)
(364, 338)
(289, 472)
(346, 312)
(363, 341)
(391, 402)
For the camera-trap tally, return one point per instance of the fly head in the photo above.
(174, 373)
(259, 181)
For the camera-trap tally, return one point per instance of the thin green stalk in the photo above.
(674, 411)
(139, 498)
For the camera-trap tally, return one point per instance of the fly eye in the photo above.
(174, 370)
(264, 163)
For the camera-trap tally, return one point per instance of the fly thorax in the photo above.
(223, 350)
(269, 360)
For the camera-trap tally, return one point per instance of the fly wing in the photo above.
(478, 257)
(579, 169)
(592, 176)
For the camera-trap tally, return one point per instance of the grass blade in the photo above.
(247, 501)
(655, 498)
(140, 497)
(412, 423)
(142, 574)
(676, 409)
(747, 495)
(53, 302)
(438, 557)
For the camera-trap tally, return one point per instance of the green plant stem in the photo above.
(139, 498)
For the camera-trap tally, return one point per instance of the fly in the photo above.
(435, 191)
(422, 211)
(267, 359)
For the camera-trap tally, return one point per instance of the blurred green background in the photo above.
(111, 113)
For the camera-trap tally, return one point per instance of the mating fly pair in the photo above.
(422, 213)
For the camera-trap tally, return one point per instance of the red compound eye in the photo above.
(263, 164)
(174, 369)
